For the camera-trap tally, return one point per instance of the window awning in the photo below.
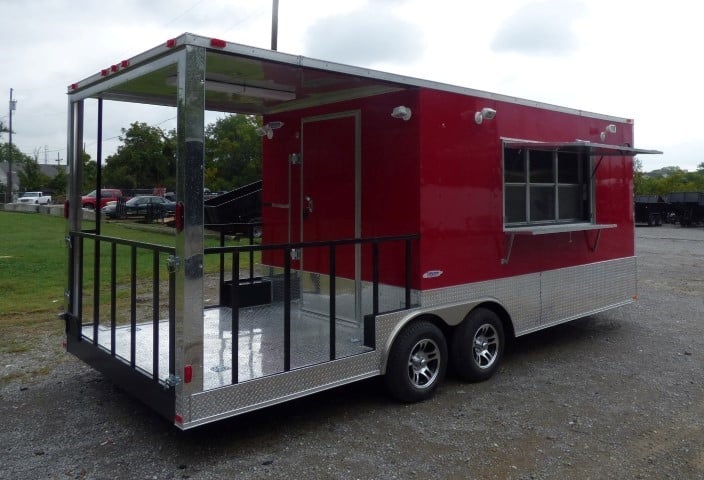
(584, 147)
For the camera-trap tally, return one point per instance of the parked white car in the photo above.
(35, 198)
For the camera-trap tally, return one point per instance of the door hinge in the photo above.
(173, 380)
(295, 254)
(295, 159)
(172, 263)
(67, 239)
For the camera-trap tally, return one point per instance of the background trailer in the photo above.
(405, 224)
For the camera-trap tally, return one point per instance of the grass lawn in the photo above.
(33, 273)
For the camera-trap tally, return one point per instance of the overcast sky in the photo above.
(637, 60)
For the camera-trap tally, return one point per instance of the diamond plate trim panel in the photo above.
(247, 396)
(538, 300)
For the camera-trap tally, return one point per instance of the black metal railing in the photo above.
(96, 297)
(238, 282)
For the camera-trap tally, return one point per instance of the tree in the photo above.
(638, 177)
(90, 173)
(17, 157)
(145, 160)
(669, 179)
(31, 176)
(58, 184)
(233, 152)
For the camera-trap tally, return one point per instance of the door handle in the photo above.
(307, 206)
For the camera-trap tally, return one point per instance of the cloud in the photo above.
(367, 36)
(543, 28)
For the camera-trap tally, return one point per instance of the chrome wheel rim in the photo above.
(424, 363)
(485, 346)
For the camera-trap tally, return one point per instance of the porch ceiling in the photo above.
(241, 84)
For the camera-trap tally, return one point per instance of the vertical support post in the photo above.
(79, 289)
(96, 288)
(113, 295)
(69, 299)
(172, 324)
(408, 274)
(188, 286)
(99, 169)
(155, 316)
(251, 252)
(75, 167)
(333, 299)
(375, 278)
(235, 300)
(287, 309)
(222, 267)
(133, 306)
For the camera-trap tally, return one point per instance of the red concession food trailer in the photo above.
(405, 225)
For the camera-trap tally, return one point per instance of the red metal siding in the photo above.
(462, 192)
(440, 174)
(389, 154)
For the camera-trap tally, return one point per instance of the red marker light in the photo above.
(171, 43)
(114, 68)
(178, 419)
(217, 43)
(74, 86)
(125, 63)
(187, 374)
(104, 72)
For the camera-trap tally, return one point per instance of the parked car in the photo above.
(35, 198)
(106, 195)
(141, 206)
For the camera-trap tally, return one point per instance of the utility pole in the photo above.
(13, 105)
(274, 24)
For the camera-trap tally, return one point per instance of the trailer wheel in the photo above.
(478, 345)
(417, 362)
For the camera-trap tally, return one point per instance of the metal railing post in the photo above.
(333, 298)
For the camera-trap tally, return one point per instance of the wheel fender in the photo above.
(449, 314)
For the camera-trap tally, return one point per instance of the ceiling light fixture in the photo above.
(242, 90)
(267, 130)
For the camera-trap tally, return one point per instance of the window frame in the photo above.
(585, 183)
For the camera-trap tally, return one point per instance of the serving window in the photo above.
(546, 186)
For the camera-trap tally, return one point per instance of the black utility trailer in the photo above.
(687, 208)
(650, 210)
(238, 212)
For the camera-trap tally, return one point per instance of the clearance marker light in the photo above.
(124, 63)
(171, 43)
(178, 419)
(187, 374)
(217, 43)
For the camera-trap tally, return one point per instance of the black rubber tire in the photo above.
(417, 362)
(478, 361)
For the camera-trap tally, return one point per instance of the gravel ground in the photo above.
(615, 395)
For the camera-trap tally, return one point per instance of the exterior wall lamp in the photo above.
(485, 113)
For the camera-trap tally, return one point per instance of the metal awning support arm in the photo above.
(508, 248)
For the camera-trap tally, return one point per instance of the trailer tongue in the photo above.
(405, 225)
